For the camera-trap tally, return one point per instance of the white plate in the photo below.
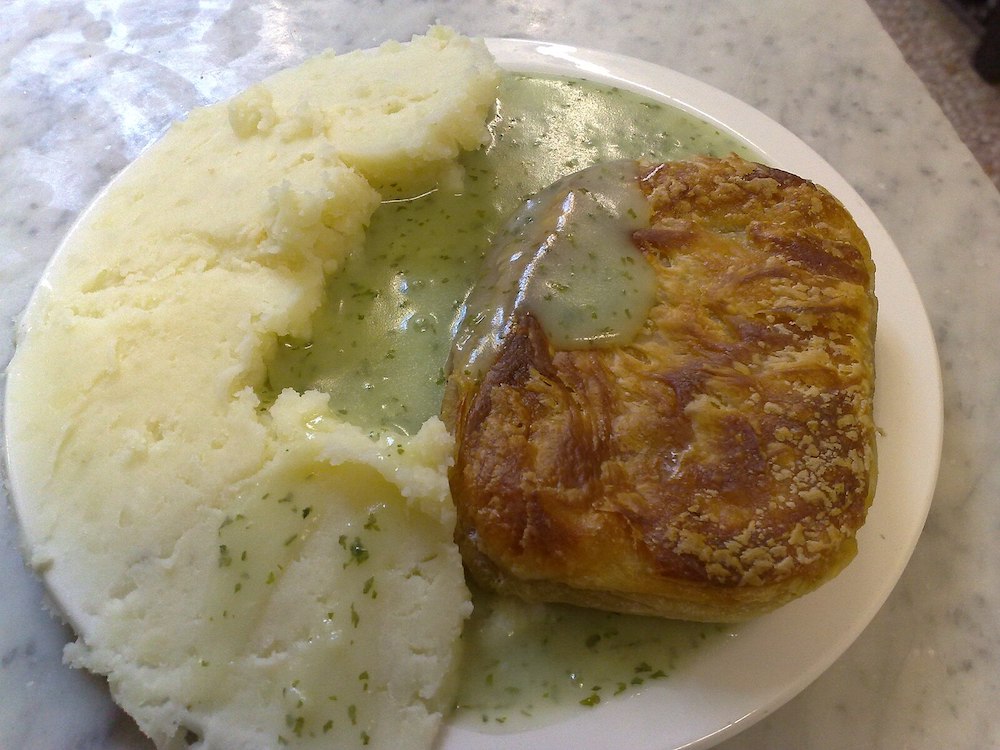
(734, 681)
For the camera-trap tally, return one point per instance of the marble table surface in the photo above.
(85, 84)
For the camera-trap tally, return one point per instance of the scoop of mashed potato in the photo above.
(246, 576)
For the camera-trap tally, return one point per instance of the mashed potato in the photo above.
(246, 576)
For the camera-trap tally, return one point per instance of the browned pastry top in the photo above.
(720, 463)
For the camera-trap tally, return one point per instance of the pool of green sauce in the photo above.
(380, 345)
(528, 665)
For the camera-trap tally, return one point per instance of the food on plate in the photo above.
(241, 499)
(247, 574)
(662, 398)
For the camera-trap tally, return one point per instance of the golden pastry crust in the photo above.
(720, 464)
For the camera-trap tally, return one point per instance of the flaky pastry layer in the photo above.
(718, 465)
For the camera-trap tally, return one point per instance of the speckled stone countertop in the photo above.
(85, 85)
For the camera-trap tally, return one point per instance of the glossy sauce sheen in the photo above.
(567, 257)
(381, 345)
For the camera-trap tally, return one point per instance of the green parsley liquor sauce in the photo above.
(381, 343)
(528, 665)
(567, 258)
